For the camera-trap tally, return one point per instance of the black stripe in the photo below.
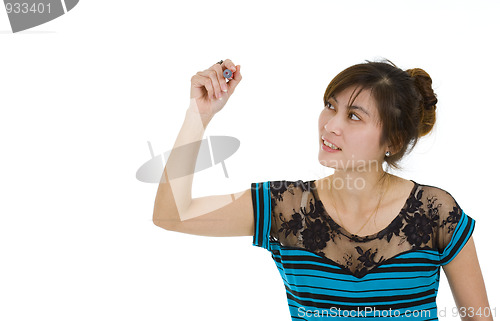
(378, 299)
(259, 193)
(386, 269)
(294, 285)
(398, 260)
(261, 214)
(314, 257)
(324, 305)
(344, 271)
(258, 213)
(303, 262)
(364, 280)
(365, 316)
(254, 203)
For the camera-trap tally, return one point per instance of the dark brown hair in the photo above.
(405, 101)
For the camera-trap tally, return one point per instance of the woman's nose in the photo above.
(333, 125)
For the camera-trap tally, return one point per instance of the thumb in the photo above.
(235, 81)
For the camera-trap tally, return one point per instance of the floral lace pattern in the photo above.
(299, 219)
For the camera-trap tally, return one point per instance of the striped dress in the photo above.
(330, 273)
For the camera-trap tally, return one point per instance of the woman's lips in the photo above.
(322, 143)
(328, 148)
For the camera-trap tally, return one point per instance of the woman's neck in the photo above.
(357, 193)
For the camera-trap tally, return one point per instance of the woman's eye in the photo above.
(351, 114)
(328, 105)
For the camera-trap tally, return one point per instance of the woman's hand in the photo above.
(209, 85)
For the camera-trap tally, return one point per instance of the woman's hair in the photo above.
(405, 101)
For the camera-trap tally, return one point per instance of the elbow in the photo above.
(156, 221)
(165, 223)
(159, 221)
(167, 217)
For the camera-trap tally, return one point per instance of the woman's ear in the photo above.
(389, 149)
(394, 148)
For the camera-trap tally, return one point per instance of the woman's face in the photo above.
(354, 130)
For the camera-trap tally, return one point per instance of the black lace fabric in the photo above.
(426, 221)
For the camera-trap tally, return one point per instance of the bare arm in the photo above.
(218, 215)
(467, 284)
(173, 197)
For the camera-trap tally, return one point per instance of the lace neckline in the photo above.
(355, 237)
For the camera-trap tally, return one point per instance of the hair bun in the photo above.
(428, 100)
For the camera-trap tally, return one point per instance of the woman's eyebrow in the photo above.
(353, 106)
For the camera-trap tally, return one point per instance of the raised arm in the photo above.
(174, 209)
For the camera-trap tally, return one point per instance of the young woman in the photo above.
(361, 242)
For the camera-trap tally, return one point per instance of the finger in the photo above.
(228, 63)
(210, 87)
(211, 73)
(211, 76)
(202, 80)
(220, 78)
(236, 80)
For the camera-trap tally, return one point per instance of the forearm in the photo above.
(174, 191)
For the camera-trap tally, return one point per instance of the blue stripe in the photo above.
(262, 212)
(295, 278)
(267, 215)
(358, 293)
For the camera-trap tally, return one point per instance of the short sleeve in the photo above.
(455, 229)
(278, 207)
(261, 200)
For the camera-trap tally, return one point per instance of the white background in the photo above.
(81, 96)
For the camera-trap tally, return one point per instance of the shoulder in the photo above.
(434, 194)
(437, 204)
(280, 188)
(452, 225)
(287, 195)
(281, 191)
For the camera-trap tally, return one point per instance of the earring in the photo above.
(387, 154)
